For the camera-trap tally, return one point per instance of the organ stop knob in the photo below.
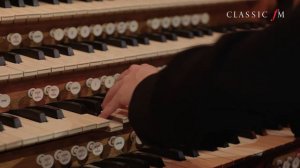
(36, 36)
(57, 34)
(84, 31)
(116, 142)
(36, 94)
(73, 87)
(154, 24)
(71, 32)
(133, 26)
(108, 81)
(80, 152)
(51, 91)
(63, 157)
(96, 29)
(186, 20)
(95, 147)
(110, 28)
(165, 22)
(45, 161)
(195, 19)
(176, 21)
(14, 38)
(93, 83)
(205, 18)
(4, 100)
(121, 27)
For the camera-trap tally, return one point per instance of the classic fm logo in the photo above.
(277, 14)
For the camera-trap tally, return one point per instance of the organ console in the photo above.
(59, 57)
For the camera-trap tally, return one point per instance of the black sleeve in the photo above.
(212, 88)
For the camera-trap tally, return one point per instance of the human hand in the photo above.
(120, 94)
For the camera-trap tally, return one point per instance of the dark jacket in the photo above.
(246, 81)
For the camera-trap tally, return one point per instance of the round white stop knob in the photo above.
(63, 157)
(186, 20)
(110, 28)
(176, 21)
(109, 82)
(36, 36)
(117, 142)
(45, 161)
(165, 22)
(154, 23)
(195, 19)
(4, 100)
(205, 18)
(57, 34)
(71, 32)
(286, 164)
(95, 147)
(116, 76)
(93, 83)
(296, 163)
(121, 27)
(133, 26)
(80, 152)
(36, 94)
(51, 91)
(14, 38)
(73, 87)
(84, 31)
(96, 30)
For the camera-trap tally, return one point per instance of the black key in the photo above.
(30, 52)
(5, 4)
(184, 33)
(51, 1)
(93, 106)
(30, 114)
(12, 57)
(130, 41)
(110, 164)
(220, 29)
(1, 126)
(189, 152)
(18, 3)
(82, 47)
(132, 162)
(50, 111)
(100, 94)
(206, 31)
(97, 98)
(114, 42)
(168, 153)
(152, 160)
(141, 39)
(10, 120)
(197, 32)
(157, 37)
(65, 50)
(32, 2)
(2, 61)
(246, 133)
(70, 106)
(66, 1)
(49, 51)
(98, 45)
(170, 36)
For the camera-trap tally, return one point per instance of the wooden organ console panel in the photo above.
(59, 57)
